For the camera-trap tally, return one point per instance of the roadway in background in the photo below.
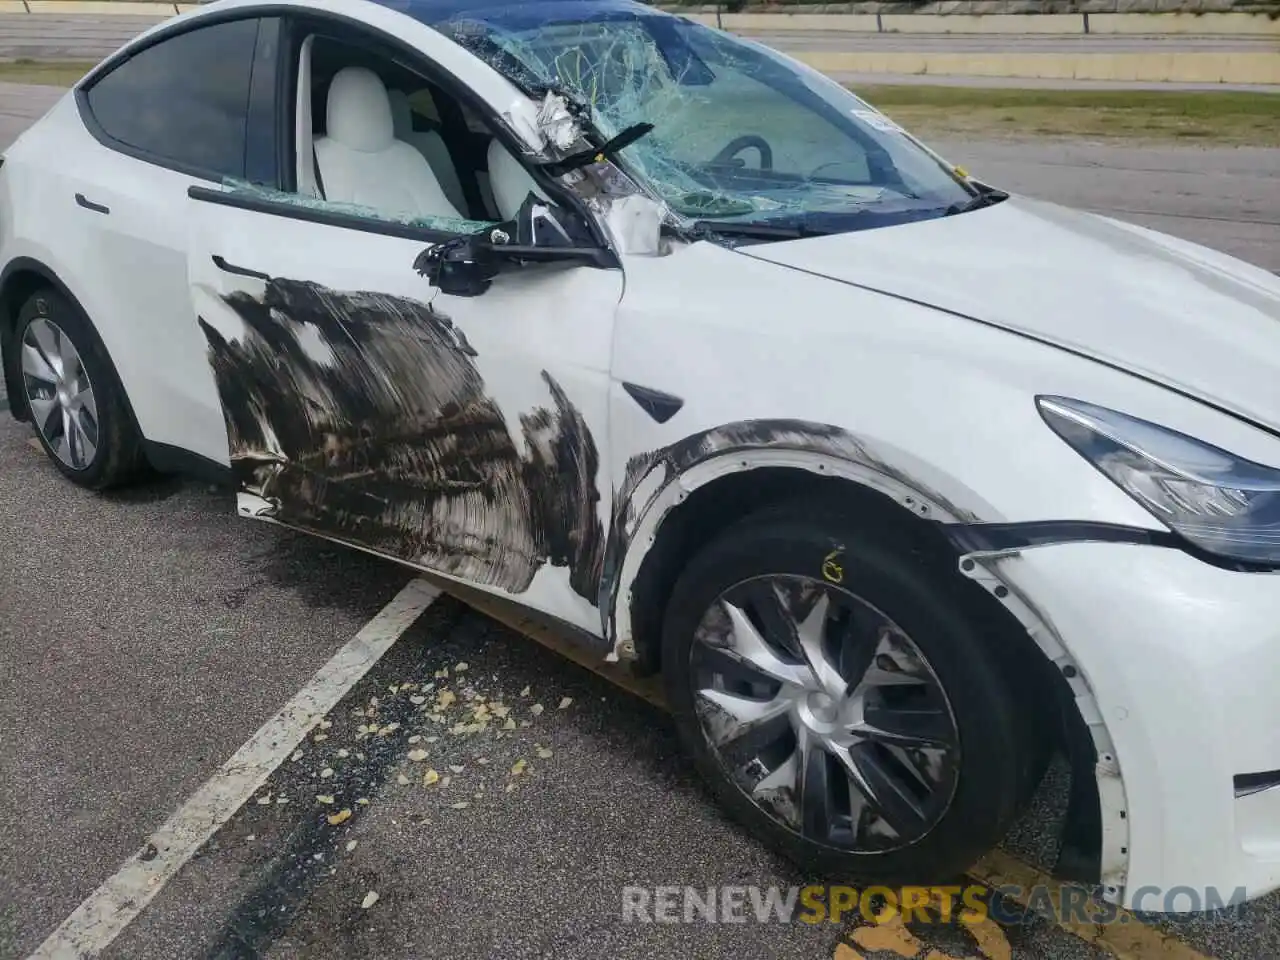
(91, 37)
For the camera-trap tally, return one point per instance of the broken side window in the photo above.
(270, 194)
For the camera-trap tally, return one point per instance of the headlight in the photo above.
(1214, 499)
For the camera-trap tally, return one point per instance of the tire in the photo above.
(105, 449)
(948, 685)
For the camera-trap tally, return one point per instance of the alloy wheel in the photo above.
(825, 714)
(59, 393)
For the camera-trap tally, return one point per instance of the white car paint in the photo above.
(1192, 318)
(859, 331)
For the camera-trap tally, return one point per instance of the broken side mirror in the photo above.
(538, 233)
(459, 267)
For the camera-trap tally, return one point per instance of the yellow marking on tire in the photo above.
(832, 569)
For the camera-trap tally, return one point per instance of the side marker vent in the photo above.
(1250, 783)
(661, 406)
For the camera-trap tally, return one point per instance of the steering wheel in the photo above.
(738, 144)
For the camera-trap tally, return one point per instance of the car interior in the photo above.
(373, 132)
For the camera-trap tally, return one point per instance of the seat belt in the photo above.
(315, 164)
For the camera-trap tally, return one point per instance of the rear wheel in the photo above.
(840, 703)
(76, 403)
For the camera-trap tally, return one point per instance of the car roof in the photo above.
(506, 14)
(438, 11)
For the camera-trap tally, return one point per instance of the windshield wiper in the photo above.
(575, 161)
(988, 199)
(763, 231)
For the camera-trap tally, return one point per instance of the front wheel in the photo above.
(840, 703)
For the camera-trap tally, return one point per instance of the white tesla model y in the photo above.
(901, 482)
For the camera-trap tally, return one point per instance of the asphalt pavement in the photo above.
(144, 636)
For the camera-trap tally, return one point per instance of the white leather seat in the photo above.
(362, 162)
(430, 144)
(510, 182)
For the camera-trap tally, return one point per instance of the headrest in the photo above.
(359, 113)
(401, 114)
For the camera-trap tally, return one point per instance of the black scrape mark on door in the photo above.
(362, 416)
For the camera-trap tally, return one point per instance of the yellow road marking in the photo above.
(989, 937)
(889, 935)
(1126, 938)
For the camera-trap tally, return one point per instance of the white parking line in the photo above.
(114, 905)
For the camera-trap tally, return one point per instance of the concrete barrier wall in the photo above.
(1023, 17)
(1254, 63)
(1228, 68)
(1264, 8)
(1132, 24)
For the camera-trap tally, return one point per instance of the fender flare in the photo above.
(642, 534)
(655, 483)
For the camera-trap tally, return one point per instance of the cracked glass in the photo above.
(740, 134)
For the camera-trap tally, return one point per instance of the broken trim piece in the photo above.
(1003, 538)
(657, 482)
(978, 541)
(1113, 806)
(607, 151)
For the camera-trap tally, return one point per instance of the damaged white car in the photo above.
(901, 482)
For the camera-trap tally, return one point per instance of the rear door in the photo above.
(173, 114)
(465, 436)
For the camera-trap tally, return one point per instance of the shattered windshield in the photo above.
(740, 135)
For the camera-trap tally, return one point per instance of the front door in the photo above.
(465, 436)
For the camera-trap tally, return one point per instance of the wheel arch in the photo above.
(671, 503)
(20, 278)
(699, 485)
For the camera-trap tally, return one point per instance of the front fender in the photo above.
(1096, 838)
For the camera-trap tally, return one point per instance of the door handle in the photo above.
(88, 204)
(221, 263)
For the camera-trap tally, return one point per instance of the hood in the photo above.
(1174, 312)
